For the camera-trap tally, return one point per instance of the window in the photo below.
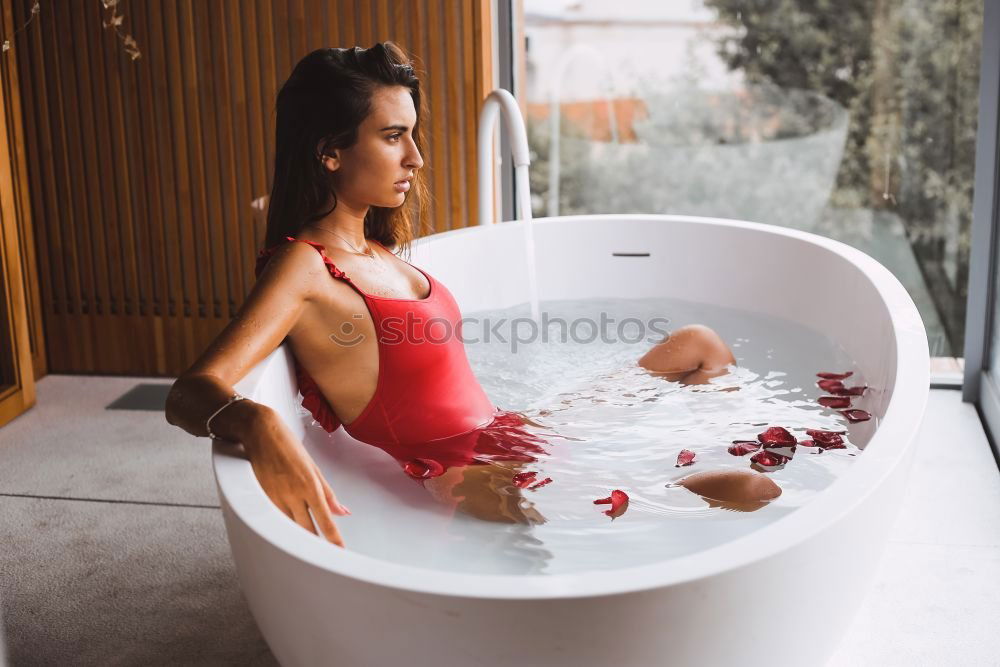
(854, 120)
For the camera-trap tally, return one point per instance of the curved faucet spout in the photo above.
(496, 101)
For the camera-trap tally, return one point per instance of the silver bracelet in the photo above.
(232, 399)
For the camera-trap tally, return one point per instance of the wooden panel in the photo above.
(17, 377)
(18, 149)
(142, 171)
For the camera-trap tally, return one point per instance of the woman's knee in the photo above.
(743, 490)
(712, 348)
(688, 349)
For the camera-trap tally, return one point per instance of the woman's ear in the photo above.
(328, 158)
(331, 161)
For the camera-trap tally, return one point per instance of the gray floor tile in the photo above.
(69, 445)
(953, 496)
(931, 605)
(92, 583)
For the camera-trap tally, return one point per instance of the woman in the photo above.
(348, 150)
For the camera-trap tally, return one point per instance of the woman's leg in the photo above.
(691, 354)
(485, 491)
(742, 490)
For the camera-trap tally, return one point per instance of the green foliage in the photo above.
(574, 169)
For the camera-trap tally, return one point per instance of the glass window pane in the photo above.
(851, 120)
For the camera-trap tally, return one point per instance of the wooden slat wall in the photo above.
(142, 172)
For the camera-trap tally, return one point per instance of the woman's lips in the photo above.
(401, 186)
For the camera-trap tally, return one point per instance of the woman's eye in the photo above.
(395, 136)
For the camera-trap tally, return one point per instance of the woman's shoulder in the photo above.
(303, 268)
(291, 261)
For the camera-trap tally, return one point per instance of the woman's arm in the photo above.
(284, 469)
(268, 314)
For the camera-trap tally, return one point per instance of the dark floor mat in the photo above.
(142, 397)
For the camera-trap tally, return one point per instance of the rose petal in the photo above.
(423, 468)
(856, 415)
(831, 386)
(787, 451)
(776, 435)
(743, 447)
(808, 443)
(767, 458)
(835, 376)
(834, 401)
(824, 438)
(685, 458)
(618, 501)
(851, 391)
(523, 479)
(766, 461)
(540, 484)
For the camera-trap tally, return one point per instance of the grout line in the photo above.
(108, 500)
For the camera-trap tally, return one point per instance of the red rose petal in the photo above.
(835, 376)
(540, 484)
(618, 501)
(423, 468)
(766, 461)
(834, 401)
(851, 391)
(808, 443)
(776, 435)
(685, 458)
(523, 479)
(825, 438)
(856, 415)
(786, 451)
(831, 386)
(743, 447)
(766, 458)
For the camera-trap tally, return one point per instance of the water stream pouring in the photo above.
(495, 101)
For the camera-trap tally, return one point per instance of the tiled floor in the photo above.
(114, 551)
(937, 598)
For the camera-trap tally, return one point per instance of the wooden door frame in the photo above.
(20, 396)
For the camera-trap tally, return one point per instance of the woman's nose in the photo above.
(413, 159)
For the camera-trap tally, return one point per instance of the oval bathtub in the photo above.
(782, 595)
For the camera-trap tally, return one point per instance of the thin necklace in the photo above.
(370, 254)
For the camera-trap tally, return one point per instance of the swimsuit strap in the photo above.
(266, 253)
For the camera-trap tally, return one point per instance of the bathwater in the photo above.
(612, 425)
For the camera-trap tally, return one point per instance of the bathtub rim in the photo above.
(241, 493)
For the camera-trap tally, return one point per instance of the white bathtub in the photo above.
(783, 595)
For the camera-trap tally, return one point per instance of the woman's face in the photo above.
(369, 172)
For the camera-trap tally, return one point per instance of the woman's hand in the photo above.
(291, 479)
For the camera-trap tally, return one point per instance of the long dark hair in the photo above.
(327, 96)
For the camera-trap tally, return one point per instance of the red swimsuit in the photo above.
(429, 411)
